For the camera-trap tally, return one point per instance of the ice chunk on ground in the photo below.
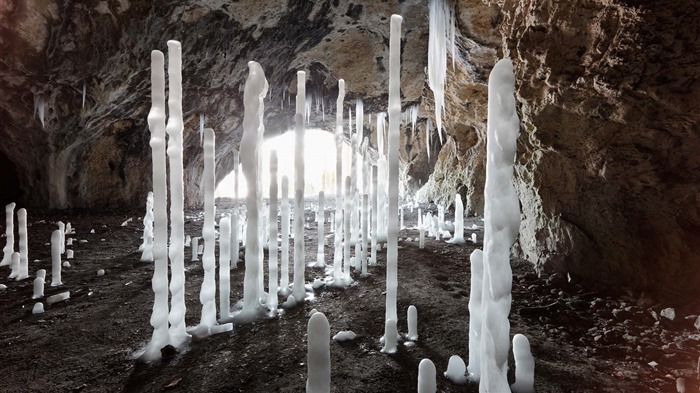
(344, 335)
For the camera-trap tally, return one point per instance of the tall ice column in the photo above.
(299, 255)
(338, 236)
(176, 250)
(272, 249)
(501, 226)
(393, 153)
(156, 124)
(255, 91)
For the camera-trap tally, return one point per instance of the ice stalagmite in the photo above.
(412, 318)
(356, 138)
(176, 251)
(524, 366)
(456, 370)
(62, 228)
(14, 264)
(373, 258)
(284, 265)
(159, 283)
(347, 230)
(338, 235)
(426, 377)
(147, 245)
(272, 249)
(458, 237)
(255, 91)
(207, 294)
(225, 268)
(364, 222)
(56, 259)
(195, 249)
(391, 335)
(38, 288)
(319, 355)
(475, 318)
(393, 153)
(501, 225)
(235, 215)
(320, 254)
(23, 245)
(381, 181)
(299, 131)
(9, 234)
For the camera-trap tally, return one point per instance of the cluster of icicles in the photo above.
(18, 261)
(491, 281)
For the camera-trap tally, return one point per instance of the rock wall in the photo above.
(98, 156)
(608, 173)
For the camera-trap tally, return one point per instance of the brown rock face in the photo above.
(608, 172)
(98, 156)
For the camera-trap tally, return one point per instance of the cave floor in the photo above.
(583, 339)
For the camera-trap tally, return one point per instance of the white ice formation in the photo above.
(524, 366)
(456, 370)
(38, 308)
(345, 335)
(14, 265)
(319, 354)
(427, 382)
(441, 30)
(38, 288)
(272, 248)
(59, 297)
(320, 254)
(255, 91)
(23, 245)
(225, 268)
(475, 318)
(300, 129)
(56, 258)
(176, 250)
(284, 265)
(458, 237)
(393, 153)
(159, 283)
(390, 336)
(9, 234)
(501, 226)
(146, 247)
(195, 249)
(338, 235)
(412, 317)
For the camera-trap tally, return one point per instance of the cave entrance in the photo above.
(319, 160)
(10, 190)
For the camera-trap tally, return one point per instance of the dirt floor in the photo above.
(584, 338)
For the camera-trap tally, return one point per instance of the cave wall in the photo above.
(98, 156)
(607, 170)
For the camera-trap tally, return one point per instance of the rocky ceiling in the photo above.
(607, 171)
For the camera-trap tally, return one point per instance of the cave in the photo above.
(595, 218)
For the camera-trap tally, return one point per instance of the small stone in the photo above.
(669, 313)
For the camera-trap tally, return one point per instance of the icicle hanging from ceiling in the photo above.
(441, 37)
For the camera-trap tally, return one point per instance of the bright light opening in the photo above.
(319, 160)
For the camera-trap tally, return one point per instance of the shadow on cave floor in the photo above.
(582, 340)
